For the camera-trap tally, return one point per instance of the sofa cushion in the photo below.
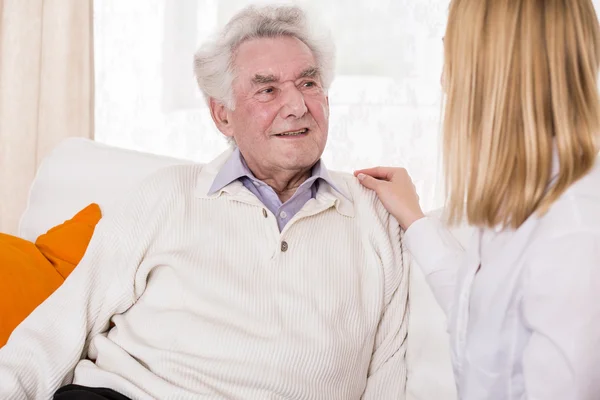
(79, 172)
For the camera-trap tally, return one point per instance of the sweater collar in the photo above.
(332, 190)
(235, 168)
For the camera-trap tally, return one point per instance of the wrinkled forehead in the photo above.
(274, 59)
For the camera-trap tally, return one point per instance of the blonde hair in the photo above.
(520, 78)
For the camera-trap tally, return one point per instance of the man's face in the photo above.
(281, 116)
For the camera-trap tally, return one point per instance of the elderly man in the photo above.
(258, 276)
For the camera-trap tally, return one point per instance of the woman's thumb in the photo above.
(368, 181)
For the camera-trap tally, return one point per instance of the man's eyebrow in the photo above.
(310, 72)
(262, 79)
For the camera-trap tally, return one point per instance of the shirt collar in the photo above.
(235, 167)
(335, 189)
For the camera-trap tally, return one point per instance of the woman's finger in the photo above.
(369, 182)
(384, 173)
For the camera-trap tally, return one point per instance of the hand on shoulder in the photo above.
(395, 189)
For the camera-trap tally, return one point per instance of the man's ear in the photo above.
(220, 116)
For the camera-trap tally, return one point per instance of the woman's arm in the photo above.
(438, 254)
(432, 245)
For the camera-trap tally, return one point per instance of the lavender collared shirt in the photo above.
(235, 168)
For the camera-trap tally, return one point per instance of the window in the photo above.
(385, 100)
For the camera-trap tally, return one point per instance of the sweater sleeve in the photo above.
(438, 254)
(387, 372)
(43, 350)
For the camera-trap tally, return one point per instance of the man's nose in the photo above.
(292, 102)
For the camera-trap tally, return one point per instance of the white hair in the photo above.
(213, 62)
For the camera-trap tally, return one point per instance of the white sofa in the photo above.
(80, 171)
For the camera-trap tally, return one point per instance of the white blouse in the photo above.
(526, 325)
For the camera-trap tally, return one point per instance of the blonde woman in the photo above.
(521, 124)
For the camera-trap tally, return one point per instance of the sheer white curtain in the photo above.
(385, 101)
(46, 90)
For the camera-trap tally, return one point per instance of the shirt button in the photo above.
(265, 213)
(284, 246)
(283, 215)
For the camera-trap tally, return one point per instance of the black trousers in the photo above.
(76, 392)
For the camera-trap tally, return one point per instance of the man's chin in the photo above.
(300, 155)
(299, 163)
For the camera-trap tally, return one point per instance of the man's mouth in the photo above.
(293, 133)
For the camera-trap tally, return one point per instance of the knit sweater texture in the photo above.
(182, 295)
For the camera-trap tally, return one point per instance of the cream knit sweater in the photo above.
(186, 296)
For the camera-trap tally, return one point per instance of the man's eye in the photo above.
(309, 84)
(267, 90)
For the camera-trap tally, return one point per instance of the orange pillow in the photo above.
(29, 274)
(65, 244)
(26, 279)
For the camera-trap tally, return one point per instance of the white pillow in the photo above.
(79, 172)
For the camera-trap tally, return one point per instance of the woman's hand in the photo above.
(395, 190)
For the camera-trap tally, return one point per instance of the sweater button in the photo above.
(284, 246)
(264, 213)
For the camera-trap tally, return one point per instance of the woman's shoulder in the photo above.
(577, 209)
(589, 185)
